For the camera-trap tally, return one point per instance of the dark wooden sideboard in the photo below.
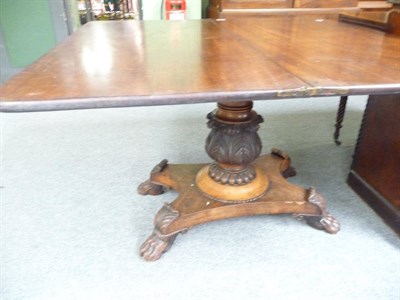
(382, 15)
(258, 8)
(375, 172)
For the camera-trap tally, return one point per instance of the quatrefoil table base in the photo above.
(239, 183)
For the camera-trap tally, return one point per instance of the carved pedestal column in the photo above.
(234, 144)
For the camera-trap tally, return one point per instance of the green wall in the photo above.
(27, 29)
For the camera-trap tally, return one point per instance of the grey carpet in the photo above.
(72, 222)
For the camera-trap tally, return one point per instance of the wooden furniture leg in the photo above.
(339, 119)
(239, 183)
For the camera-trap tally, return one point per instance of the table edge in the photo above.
(193, 98)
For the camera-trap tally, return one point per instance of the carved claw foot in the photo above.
(325, 221)
(150, 188)
(289, 172)
(287, 169)
(155, 245)
(160, 240)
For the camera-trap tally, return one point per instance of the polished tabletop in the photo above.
(137, 63)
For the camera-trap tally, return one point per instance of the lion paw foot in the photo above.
(327, 223)
(155, 246)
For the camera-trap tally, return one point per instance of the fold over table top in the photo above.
(137, 63)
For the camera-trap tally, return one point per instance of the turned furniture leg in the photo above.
(238, 183)
(339, 118)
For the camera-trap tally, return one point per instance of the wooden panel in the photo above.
(377, 156)
(324, 3)
(257, 8)
(373, 19)
(229, 4)
(375, 172)
(375, 5)
(321, 13)
(385, 19)
(394, 21)
(386, 210)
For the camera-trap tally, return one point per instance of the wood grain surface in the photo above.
(133, 63)
(324, 53)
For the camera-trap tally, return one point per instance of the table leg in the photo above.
(339, 119)
(239, 183)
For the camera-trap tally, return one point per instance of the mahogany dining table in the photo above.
(108, 64)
